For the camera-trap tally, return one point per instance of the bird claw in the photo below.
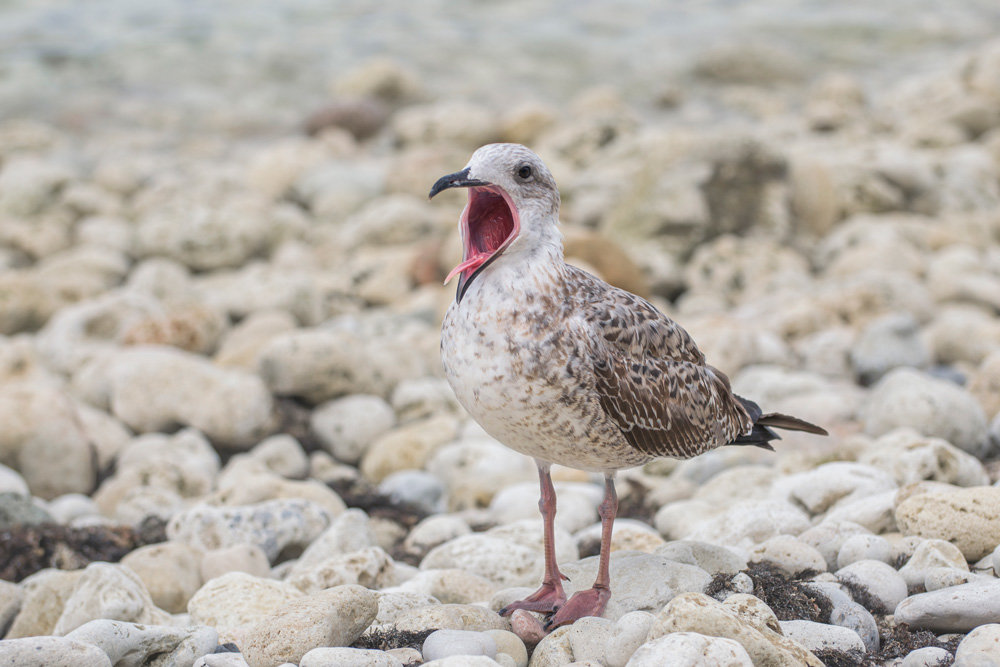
(545, 600)
(590, 602)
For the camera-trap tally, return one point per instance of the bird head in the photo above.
(513, 206)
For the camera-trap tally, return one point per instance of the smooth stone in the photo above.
(982, 644)
(750, 523)
(628, 634)
(281, 454)
(433, 531)
(237, 599)
(553, 650)
(969, 518)
(272, 525)
(51, 652)
(629, 535)
(147, 644)
(577, 504)
(444, 643)
(347, 426)
(510, 645)
(408, 447)
(333, 617)
(419, 398)
(936, 408)
(221, 660)
(929, 656)
(937, 578)
(955, 609)
(11, 599)
(169, 571)
(481, 471)
(712, 558)
(879, 579)
(502, 561)
(694, 612)
(790, 554)
(248, 558)
(863, 547)
(450, 617)
(415, 488)
(154, 388)
(466, 661)
(828, 536)
(822, 637)
(12, 482)
(589, 637)
(888, 342)
(349, 532)
(339, 656)
(45, 595)
(929, 555)
(71, 507)
(639, 582)
(690, 649)
(875, 512)
(450, 585)
(392, 603)
(108, 591)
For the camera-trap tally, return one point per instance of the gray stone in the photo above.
(879, 579)
(863, 547)
(955, 609)
(17, 509)
(416, 488)
(347, 426)
(153, 645)
(51, 652)
(11, 598)
(823, 637)
(888, 342)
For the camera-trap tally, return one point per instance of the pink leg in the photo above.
(592, 601)
(551, 594)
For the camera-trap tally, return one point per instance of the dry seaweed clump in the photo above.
(789, 597)
(26, 549)
(898, 641)
(386, 639)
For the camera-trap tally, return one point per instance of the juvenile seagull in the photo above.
(561, 366)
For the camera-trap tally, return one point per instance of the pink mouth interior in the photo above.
(489, 224)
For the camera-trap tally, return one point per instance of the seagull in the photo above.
(561, 366)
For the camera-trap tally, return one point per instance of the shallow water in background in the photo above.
(247, 67)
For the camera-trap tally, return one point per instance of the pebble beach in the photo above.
(227, 440)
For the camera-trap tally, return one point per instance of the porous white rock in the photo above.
(476, 470)
(333, 617)
(450, 585)
(832, 484)
(979, 646)
(450, 617)
(863, 547)
(790, 554)
(828, 536)
(910, 457)
(370, 567)
(169, 571)
(969, 518)
(929, 555)
(712, 558)
(750, 523)
(45, 595)
(237, 599)
(108, 591)
(247, 558)
(432, 531)
(690, 649)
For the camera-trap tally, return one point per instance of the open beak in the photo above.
(489, 224)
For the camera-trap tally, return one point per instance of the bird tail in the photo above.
(763, 424)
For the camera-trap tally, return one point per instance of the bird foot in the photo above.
(545, 600)
(590, 602)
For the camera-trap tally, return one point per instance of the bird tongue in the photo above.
(473, 263)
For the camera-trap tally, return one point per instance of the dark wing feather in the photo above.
(631, 324)
(669, 408)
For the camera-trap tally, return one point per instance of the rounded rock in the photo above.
(878, 579)
(170, 572)
(139, 643)
(51, 652)
(108, 591)
(450, 617)
(333, 617)
(863, 547)
(955, 609)
(690, 649)
(326, 656)
(790, 554)
(822, 637)
(969, 518)
(237, 599)
(346, 426)
(983, 642)
(444, 643)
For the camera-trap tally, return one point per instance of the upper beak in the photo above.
(460, 179)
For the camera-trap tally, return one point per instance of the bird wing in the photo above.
(631, 324)
(667, 407)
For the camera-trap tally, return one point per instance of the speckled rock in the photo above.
(969, 518)
(334, 617)
(370, 567)
(51, 652)
(271, 525)
(910, 457)
(450, 585)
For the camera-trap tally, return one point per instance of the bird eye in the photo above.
(524, 172)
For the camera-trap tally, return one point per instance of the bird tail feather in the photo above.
(764, 424)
